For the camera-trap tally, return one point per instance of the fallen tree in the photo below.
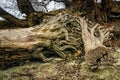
(63, 35)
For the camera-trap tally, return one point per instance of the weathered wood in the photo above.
(61, 35)
(93, 43)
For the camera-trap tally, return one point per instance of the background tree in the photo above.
(89, 8)
(106, 6)
(25, 6)
(33, 17)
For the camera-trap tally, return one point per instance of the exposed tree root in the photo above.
(61, 35)
(95, 51)
(58, 35)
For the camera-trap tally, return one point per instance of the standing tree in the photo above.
(106, 8)
(25, 6)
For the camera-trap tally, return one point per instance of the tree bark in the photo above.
(25, 6)
(61, 35)
(106, 8)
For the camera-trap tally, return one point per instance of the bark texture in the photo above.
(61, 35)
(25, 6)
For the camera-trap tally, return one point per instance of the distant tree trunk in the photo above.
(67, 3)
(10, 18)
(76, 4)
(106, 8)
(25, 6)
(88, 7)
(33, 17)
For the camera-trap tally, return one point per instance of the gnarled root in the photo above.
(95, 51)
(61, 35)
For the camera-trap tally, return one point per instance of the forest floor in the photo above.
(62, 70)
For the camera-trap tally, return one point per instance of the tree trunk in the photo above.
(25, 6)
(106, 8)
(61, 35)
(87, 5)
(12, 19)
(88, 8)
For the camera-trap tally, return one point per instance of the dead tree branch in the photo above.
(12, 19)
